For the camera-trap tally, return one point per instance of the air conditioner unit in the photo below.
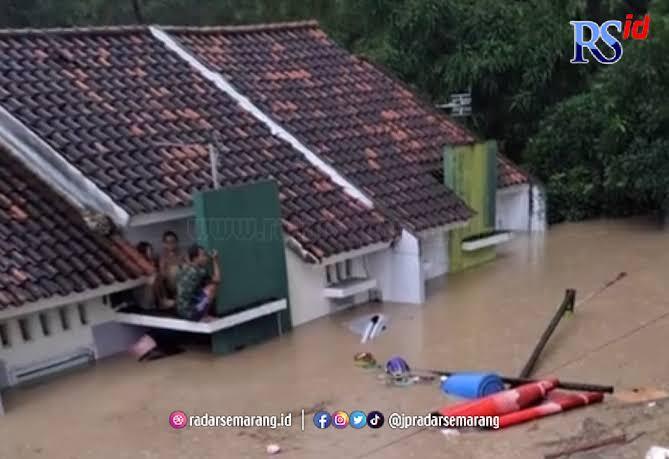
(76, 359)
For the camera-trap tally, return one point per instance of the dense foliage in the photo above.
(596, 135)
(606, 151)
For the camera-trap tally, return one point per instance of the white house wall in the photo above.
(513, 207)
(306, 283)
(538, 217)
(399, 271)
(434, 255)
(17, 350)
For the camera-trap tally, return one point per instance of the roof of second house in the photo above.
(364, 123)
(136, 119)
(509, 174)
(46, 249)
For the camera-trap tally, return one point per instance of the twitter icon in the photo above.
(358, 419)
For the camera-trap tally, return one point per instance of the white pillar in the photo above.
(33, 327)
(53, 321)
(71, 316)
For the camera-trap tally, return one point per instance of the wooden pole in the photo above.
(567, 305)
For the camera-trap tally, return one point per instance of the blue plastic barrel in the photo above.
(472, 385)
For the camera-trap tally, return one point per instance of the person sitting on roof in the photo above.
(145, 296)
(196, 289)
(169, 264)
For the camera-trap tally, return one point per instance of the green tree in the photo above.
(612, 139)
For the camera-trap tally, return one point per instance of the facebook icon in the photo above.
(322, 420)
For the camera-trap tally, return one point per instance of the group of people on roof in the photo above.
(183, 282)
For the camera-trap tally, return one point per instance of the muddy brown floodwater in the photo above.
(487, 318)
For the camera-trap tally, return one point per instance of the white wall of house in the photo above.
(38, 337)
(513, 208)
(514, 212)
(538, 217)
(306, 283)
(399, 271)
(434, 255)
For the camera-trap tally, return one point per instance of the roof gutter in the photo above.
(50, 166)
(278, 131)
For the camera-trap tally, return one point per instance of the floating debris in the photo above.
(369, 327)
(273, 449)
(365, 360)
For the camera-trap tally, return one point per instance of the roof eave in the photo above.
(55, 301)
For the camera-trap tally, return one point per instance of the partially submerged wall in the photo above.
(513, 208)
(306, 283)
(41, 336)
(399, 271)
(434, 254)
(471, 172)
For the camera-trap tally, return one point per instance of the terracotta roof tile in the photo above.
(341, 107)
(109, 100)
(46, 248)
(509, 174)
(298, 74)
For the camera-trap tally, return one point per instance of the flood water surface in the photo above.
(488, 318)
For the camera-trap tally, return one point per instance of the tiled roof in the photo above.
(508, 174)
(340, 104)
(371, 128)
(136, 119)
(46, 249)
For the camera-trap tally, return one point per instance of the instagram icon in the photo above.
(340, 419)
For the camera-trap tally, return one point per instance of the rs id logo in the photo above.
(600, 36)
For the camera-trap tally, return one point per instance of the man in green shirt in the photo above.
(196, 289)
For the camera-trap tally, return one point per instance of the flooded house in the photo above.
(56, 276)
(378, 191)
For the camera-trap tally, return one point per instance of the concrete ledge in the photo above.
(491, 240)
(230, 321)
(349, 287)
